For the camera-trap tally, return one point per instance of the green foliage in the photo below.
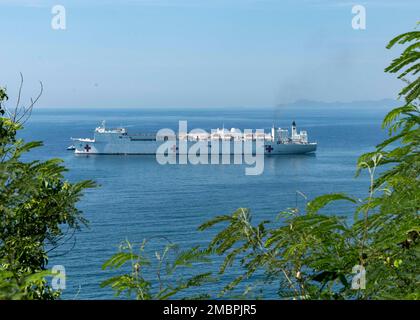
(407, 64)
(25, 286)
(137, 282)
(36, 205)
(322, 201)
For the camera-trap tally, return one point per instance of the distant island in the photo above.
(303, 103)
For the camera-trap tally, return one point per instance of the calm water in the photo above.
(139, 198)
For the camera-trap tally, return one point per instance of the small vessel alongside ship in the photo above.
(118, 141)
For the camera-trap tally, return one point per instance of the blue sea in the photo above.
(139, 199)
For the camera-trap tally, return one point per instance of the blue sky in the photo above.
(192, 53)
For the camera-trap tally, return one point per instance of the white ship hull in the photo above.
(151, 148)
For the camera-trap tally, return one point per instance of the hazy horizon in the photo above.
(385, 103)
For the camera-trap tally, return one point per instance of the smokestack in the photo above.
(294, 132)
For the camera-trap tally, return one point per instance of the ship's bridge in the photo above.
(102, 129)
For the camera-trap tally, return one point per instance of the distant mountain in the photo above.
(383, 103)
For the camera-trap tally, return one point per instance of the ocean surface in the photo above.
(139, 199)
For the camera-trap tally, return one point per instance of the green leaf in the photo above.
(320, 202)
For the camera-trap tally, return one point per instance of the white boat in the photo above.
(118, 141)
